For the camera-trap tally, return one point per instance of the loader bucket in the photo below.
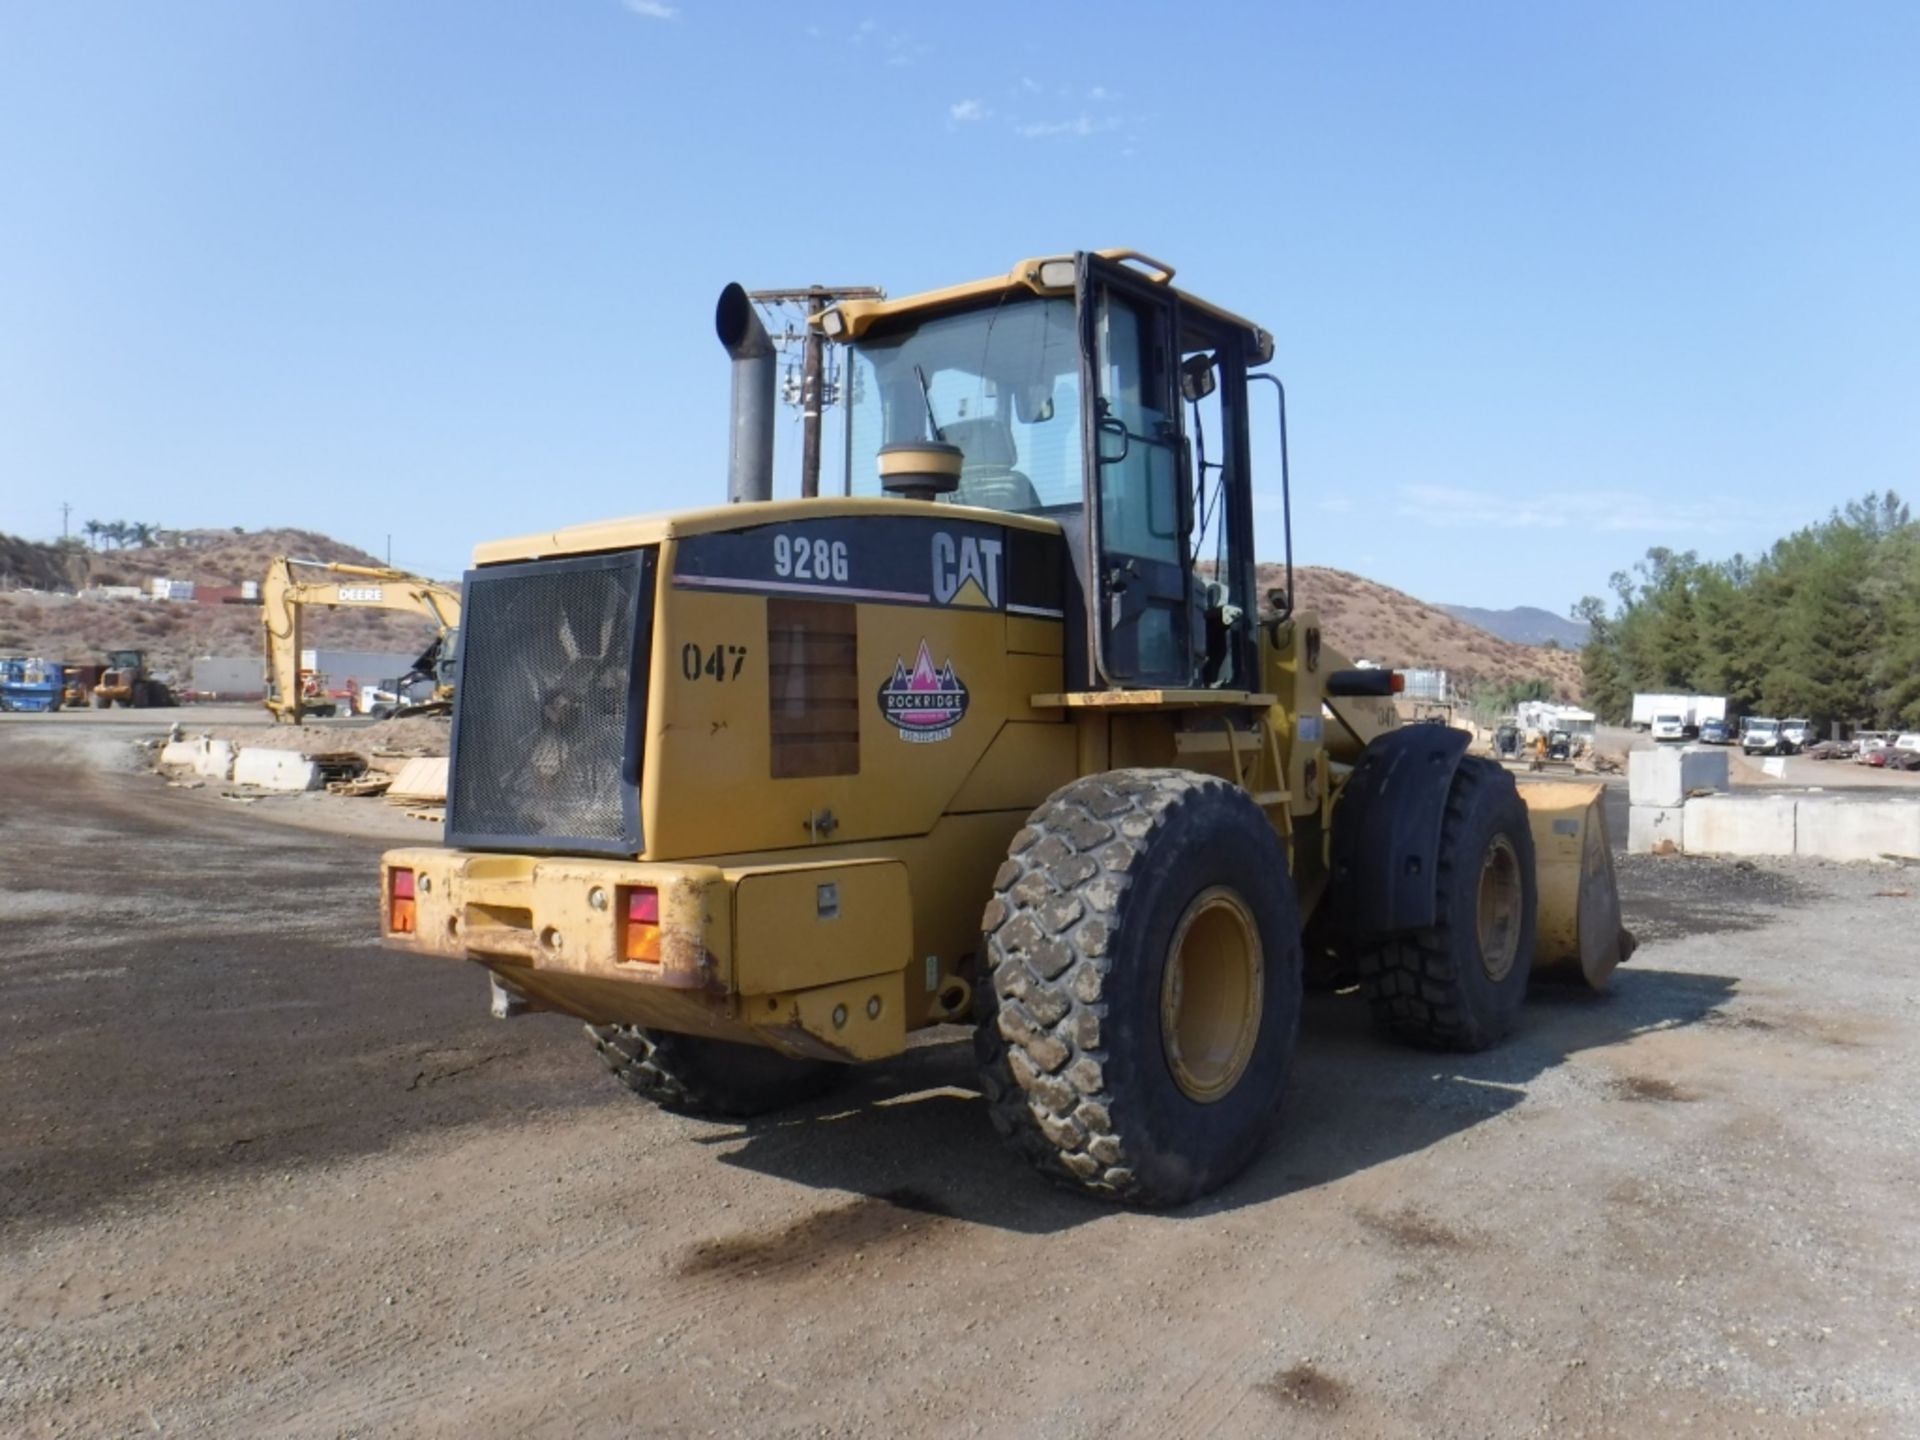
(1578, 935)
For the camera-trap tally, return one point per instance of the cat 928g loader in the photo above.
(999, 735)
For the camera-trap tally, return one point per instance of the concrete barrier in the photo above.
(1667, 776)
(216, 759)
(1740, 825)
(1651, 828)
(211, 758)
(275, 770)
(183, 752)
(1830, 828)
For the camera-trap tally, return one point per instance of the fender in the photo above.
(1386, 830)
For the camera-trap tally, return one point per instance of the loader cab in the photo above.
(1087, 390)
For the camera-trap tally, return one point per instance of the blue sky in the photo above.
(1550, 283)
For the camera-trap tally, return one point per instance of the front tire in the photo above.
(1144, 997)
(698, 1076)
(1459, 984)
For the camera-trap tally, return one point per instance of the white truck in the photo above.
(1659, 713)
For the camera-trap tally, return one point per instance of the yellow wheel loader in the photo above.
(291, 585)
(1000, 735)
(126, 684)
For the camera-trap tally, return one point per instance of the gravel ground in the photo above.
(260, 1178)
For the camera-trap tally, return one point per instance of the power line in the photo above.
(817, 389)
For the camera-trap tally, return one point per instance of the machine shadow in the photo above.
(913, 1133)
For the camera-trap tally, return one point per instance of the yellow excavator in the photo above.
(291, 585)
(1003, 734)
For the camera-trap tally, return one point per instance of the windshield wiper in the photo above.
(926, 397)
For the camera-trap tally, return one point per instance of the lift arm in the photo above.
(283, 594)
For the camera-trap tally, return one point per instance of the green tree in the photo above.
(1826, 624)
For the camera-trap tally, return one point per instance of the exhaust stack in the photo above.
(750, 448)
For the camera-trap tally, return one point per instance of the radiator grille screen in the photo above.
(547, 720)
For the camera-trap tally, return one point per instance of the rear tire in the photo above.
(698, 1076)
(1459, 984)
(1144, 997)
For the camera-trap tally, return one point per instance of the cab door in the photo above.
(1138, 498)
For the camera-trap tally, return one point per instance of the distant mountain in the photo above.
(1524, 625)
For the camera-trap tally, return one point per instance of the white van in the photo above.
(1669, 727)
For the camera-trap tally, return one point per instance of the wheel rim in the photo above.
(1210, 997)
(1499, 908)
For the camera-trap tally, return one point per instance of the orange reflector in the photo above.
(641, 940)
(1399, 682)
(400, 901)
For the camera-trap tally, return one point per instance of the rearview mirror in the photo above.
(1114, 441)
(1197, 379)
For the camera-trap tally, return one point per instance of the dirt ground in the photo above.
(260, 1178)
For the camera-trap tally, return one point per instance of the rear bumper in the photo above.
(810, 959)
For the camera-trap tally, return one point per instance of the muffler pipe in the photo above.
(750, 446)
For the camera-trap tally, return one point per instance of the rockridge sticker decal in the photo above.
(923, 704)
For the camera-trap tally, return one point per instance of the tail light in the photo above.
(400, 901)
(640, 929)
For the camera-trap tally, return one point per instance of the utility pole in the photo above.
(65, 511)
(813, 356)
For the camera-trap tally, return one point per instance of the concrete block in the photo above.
(183, 752)
(1652, 828)
(1837, 828)
(1668, 775)
(215, 760)
(275, 770)
(1740, 825)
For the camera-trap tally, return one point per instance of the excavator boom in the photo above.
(293, 584)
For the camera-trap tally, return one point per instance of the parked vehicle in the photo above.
(1766, 736)
(28, 684)
(1909, 741)
(1715, 732)
(127, 684)
(1865, 742)
(1693, 710)
(1800, 731)
(1669, 727)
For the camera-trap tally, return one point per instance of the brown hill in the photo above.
(41, 567)
(1369, 621)
(62, 626)
(1361, 619)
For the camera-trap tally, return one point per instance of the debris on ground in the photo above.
(414, 736)
(420, 781)
(370, 783)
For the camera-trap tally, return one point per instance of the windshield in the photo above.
(1001, 383)
(1763, 727)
